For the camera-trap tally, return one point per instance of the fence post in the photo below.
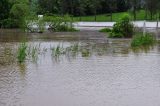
(144, 28)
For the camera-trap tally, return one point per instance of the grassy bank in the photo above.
(116, 16)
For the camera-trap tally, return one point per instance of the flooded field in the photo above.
(77, 69)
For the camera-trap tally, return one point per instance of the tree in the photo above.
(152, 7)
(112, 6)
(86, 7)
(48, 6)
(135, 5)
(33, 7)
(94, 7)
(19, 11)
(81, 8)
(121, 5)
(4, 11)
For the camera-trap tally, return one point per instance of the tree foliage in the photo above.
(4, 11)
(19, 9)
(77, 7)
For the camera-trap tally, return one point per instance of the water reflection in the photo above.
(22, 68)
(7, 54)
(144, 49)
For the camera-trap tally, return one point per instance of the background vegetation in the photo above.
(13, 13)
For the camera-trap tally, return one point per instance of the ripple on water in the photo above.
(110, 76)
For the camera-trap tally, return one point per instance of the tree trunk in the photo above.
(111, 16)
(151, 15)
(134, 13)
(95, 16)
(80, 18)
(146, 15)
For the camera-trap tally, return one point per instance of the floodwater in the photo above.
(100, 73)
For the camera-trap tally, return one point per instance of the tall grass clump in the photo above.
(22, 52)
(57, 51)
(143, 40)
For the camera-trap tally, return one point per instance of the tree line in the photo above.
(94, 7)
(15, 10)
(82, 7)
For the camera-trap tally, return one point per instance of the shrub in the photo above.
(57, 23)
(123, 28)
(41, 26)
(140, 40)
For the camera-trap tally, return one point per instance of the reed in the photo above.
(22, 52)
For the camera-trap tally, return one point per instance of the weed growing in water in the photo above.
(140, 40)
(75, 48)
(57, 51)
(85, 53)
(22, 52)
(34, 51)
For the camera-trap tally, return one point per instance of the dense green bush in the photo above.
(143, 40)
(122, 28)
(19, 12)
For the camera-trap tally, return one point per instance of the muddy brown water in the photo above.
(111, 74)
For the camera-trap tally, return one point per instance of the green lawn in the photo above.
(116, 17)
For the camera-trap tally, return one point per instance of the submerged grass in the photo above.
(22, 52)
(32, 52)
(57, 51)
(29, 52)
(75, 48)
(143, 40)
(85, 53)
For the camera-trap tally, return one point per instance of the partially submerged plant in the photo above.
(22, 53)
(75, 48)
(85, 53)
(143, 40)
(121, 29)
(57, 51)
